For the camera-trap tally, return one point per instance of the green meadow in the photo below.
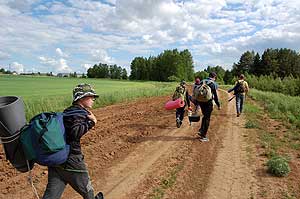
(54, 94)
(280, 106)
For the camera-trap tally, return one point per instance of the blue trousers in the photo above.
(239, 101)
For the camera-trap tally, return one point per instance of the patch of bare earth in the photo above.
(136, 151)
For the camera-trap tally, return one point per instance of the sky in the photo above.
(73, 35)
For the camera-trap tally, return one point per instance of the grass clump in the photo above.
(251, 124)
(278, 166)
(166, 183)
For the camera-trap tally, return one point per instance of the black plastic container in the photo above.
(12, 119)
(194, 118)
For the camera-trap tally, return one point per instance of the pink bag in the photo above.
(170, 105)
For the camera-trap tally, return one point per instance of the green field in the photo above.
(54, 94)
(280, 106)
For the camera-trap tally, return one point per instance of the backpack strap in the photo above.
(206, 81)
(75, 112)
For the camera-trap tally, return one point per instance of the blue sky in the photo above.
(72, 35)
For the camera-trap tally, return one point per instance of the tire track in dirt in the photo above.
(232, 177)
(125, 176)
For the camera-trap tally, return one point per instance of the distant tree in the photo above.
(167, 66)
(269, 62)
(105, 71)
(228, 77)
(255, 68)
(245, 63)
(201, 74)
(49, 74)
(124, 74)
(74, 75)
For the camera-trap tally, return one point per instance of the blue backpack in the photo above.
(44, 139)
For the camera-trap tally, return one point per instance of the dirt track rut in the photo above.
(232, 177)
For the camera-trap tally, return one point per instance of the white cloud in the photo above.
(63, 66)
(5, 10)
(86, 66)
(101, 56)
(15, 66)
(213, 30)
(57, 66)
(47, 61)
(60, 52)
(4, 55)
(23, 6)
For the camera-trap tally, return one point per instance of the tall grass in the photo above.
(42, 94)
(280, 106)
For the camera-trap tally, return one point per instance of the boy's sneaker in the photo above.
(204, 139)
(178, 122)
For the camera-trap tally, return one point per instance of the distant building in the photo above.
(69, 74)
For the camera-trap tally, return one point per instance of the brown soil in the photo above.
(135, 151)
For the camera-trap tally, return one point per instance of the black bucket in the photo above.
(194, 118)
(12, 119)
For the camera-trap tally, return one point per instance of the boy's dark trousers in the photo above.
(77, 177)
(206, 108)
(180, 113)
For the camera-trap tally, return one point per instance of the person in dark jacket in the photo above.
(74, 171)
(181, 91)
(240, 91)
(207, 107)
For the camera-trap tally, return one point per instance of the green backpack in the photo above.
(44, 139)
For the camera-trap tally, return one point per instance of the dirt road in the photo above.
(136, 151)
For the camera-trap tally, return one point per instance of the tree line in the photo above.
(107, 71)
(281, 63)
(171, 65)
(277, 70)
(2, 70)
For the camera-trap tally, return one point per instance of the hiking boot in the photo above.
(99, 196)
(204, 139)
(238, 114)
(178, 122)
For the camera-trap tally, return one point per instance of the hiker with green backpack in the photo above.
(204, 94)
(74, 171)
(181, 92)
(240, 91)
